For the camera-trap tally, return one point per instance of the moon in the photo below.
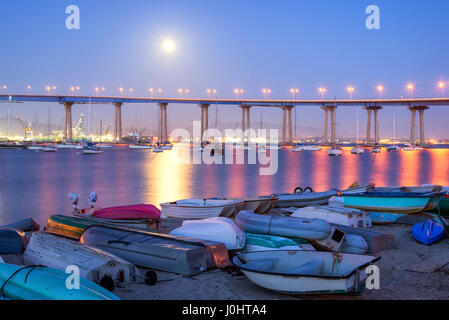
(168, 46)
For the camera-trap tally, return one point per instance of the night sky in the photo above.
(227, 44)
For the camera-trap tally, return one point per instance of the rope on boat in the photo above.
(31, 267)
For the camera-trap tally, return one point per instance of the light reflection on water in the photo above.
(34, 184)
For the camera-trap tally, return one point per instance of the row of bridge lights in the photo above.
(441, 86)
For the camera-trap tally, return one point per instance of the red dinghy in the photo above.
(139, 211)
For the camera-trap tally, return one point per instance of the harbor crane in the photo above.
(28, 129)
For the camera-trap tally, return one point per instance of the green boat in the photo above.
(73, 227)
(260, 242)
(443, 206)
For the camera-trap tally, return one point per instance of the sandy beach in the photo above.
(410, 271)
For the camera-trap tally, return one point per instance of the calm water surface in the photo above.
(36, 184)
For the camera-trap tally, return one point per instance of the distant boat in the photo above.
(49, 149)
(335, 151)
(7, 145)
(311, 148)
(376, 150)
(35, 147)
(66, 146)
(157, 150)
(201, 208)
(92, 150)
(394, 148)
(297, 148)
(305, 272)
(140, 146)
(167, 147)
(409, 147)
(357, 150)
(104, 146)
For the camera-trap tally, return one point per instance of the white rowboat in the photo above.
(201, 208)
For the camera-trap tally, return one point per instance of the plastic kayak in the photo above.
(140, 211)
(43, 283)
(428, 232)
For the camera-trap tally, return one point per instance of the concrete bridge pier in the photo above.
(163, 127)
(246, 120)
(67, 134)
(287, 134)
(420, 110)
(370, 110)
(204, 119)
(332, 110)
(118, 133)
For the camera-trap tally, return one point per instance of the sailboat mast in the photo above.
(394, 126)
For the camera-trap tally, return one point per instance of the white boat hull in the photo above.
(94, 264)
(184, 210)
(305, 272)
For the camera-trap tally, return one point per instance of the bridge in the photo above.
(372, 106)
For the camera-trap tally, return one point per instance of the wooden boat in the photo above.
(158, 251)
(201, 208)
(305, 272)
(302, 199)
(43, 283)
(309, 229)
(392, 202)
(73, 227)
(260, 242)
(428, 232)
(256, 205)
(12, 241)
(94, 264)
(218, 229)
(26, 225)
(334, 214)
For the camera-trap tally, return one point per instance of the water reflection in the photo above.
(36, 184)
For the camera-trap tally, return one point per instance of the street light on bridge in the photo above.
(380, 89)
(121, 91)
(322, 91)
(351, 90)
(238, 92)
(266, 92)
(294, 92)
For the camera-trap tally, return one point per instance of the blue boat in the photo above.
(428, 232)
(392, 202)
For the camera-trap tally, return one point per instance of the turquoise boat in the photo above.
(43, 283)
(392, 202)
(260, 242)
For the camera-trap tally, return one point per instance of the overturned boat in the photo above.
(73, 227)
(305, 272)
(43, 283)
(201, 208)
(303, 198)
(94, 264)
(12, 241)
(335, 214)
(26, 225)
(217, 229)
(158, 251)
(260, 242)
(309, 229)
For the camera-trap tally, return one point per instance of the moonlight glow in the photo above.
(168, 46)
